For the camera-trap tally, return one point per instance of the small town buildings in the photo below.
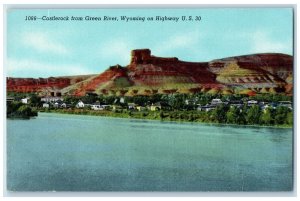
(206, 108)
(51, 99)
(155, 107)
(131, 106)
(287, 104)
(216, 101)
(58, 104)
(63, 105)
(141, 108)
(160, 106)
(236, 103)
(25, 100)
(80, 104)
(9, 99)
(98, 106)
(264, 105)
(46, 105)
(190, 102)
(252, 102)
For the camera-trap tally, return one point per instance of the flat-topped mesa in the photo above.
(258, 73)
(143, 56)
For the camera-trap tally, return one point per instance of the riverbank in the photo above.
(17, 110)
(173, 116)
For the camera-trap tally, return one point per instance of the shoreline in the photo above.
(107, 114)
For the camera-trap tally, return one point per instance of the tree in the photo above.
(35, 100)
(281, 115)
(232, 115)
(161, 115)
(290, 118)
(109, 100)
(89, 99)
(26, 111)
(140, 100)
(253, 115)
(267, 117)
(13, 107)
(71, 100)
(219, 113)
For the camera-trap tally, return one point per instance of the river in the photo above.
(61, 152)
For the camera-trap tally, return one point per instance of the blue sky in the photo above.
(58, 48)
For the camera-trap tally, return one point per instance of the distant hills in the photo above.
(147, 74)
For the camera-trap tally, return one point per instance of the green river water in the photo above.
(84, 153)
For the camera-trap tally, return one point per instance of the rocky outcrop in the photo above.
(146, 69)
(278, 65)
(40, 85)
(114, 77)
(147, 74)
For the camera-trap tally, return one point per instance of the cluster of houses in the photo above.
(58, 102)
(164, 106)
(239, 104)
(54, 101)
(130, 106)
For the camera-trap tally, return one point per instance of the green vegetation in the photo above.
(180, 107)
(222, 114)
(19, 110)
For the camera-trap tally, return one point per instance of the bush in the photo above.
(232, 115)
(25, 111)
(191, 117)
(267, 117)
(161, 115)
(253, 115)
(281, 115)
(219, 114)
(290, 118)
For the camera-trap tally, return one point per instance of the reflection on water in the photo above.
(85, 153)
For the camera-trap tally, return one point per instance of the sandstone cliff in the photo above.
(147, 74)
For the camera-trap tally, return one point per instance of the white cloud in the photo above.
(118, 49)
(35, 68)
(43, 43)
(184, 40)
(263, 42)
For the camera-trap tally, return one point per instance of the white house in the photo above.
(51, 99)
(252, 102)
(216, 101)
(287, 104)
(80, 104)
(25, 100)
(96, 106)
(206, 108)
(131, 106)
(46, 105)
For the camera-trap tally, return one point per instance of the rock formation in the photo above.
(147, 74)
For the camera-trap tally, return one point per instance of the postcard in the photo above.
(149, 100)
